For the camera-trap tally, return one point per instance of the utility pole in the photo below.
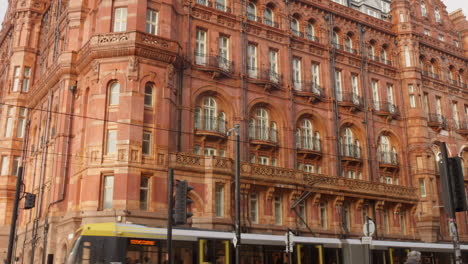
(14, 216)
(237, 239)
(448, 177)
(170, 204)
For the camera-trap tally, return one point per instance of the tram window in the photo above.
(86, 256)
(141, 254)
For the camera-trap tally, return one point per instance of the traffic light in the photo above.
(458, 184)
(181, 202)
(29, 201)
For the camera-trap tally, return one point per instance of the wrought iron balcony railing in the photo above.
(351, 151)
(337, 46)
(388, 157)
(387, 107)
(351, 98)
(309, 86)
(312, 37)
(350, 50)
(437, 120)
(210, 123)
(263, 133)
(309, 143)
(219, 6)
(270, 23)
(214, 61)
(253, 17)
(267, 75)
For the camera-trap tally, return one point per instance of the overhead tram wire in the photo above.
(147, 127)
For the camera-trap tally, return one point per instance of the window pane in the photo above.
(219, 200)
(146, 148)
(5, 161)
(148, 95)
(108, 192)
(144, 192)
(111, 141)
(114, 94)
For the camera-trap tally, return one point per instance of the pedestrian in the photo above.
(414, 257)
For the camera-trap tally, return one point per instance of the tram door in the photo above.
(397, 255)
(308, 254)
(213, 251)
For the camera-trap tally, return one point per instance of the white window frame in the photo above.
(147, 143)
(456, 117)
(15, 165)
(355, 88)
(390, 98)
(219, 200)
(412, 97)
(338, 87)
(254, 207)
(263, 160)
(16, 78)
(26, 77)
(273, 58)
(120, 19)
(111, 141)
(407, 56)
(21, 122)
(223, 52)
(375, 94)
(148, 99)
(208, 151)
(278, 206)
(422, 187)
(252, 60)
(108, 192)
(297, 74)
(200, 47)
(437, 15)
(152, 17)
(114, 93)
(5, 165)
(324, 215)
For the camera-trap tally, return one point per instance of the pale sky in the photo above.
(451, 6)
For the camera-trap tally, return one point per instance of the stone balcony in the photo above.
(200, 166)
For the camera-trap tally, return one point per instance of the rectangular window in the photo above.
(355, 88)
(302, 213)
(427, 32)
(26, 76)
(278, 210)
(9, 122)
(438, 106)
(315, 74)
(222, 153)
(338, 88)
(426, 102)
(352, 174)
(346, 217)
(252, 60)
(412, 99)
(152, 21)
(273, 162)
(407, 57)
(197, 150)
(375, 94)
(21, 122)
(108, 192)
(120, 19)
(111, 143)
(386, 222)
(323, 215)
(5, 165)
(262, 160)
(144, 193)
(16, 163)
(441, 37)
(297, 78)
(455, 114)
(422, 187)
(309, 168)
(403, 223)
(223, 52)
(147, 143)
(200, 47)
(390, 98)
(210, 152)
(273, 56)
(16, 78)
(219, 200)
(402, 17)
(254, 207)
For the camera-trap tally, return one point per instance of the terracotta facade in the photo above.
(329, 100)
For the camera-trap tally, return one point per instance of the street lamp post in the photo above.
(237, 241)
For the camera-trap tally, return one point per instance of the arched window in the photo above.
(273, 132)
(372, 51)
(310, 31)
(383, 55)
(347, 142)
(349, 44)
(197, 118)
(251, 11)
(437, 15)
(295, 26)
(317, 144)
(306, 127)
(209, 112)
(335, 38)
(114, 93)
(423, 9)
(262, 124)
(269, 17)
(149, 95)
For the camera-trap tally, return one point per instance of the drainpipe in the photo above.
(330, 17)
(44, 143)
(63, 189)
(364, 95)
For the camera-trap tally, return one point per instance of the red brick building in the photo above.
(100, 98)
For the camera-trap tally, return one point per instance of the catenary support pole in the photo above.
(14, 216)
(170, 183)
(237, 193)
